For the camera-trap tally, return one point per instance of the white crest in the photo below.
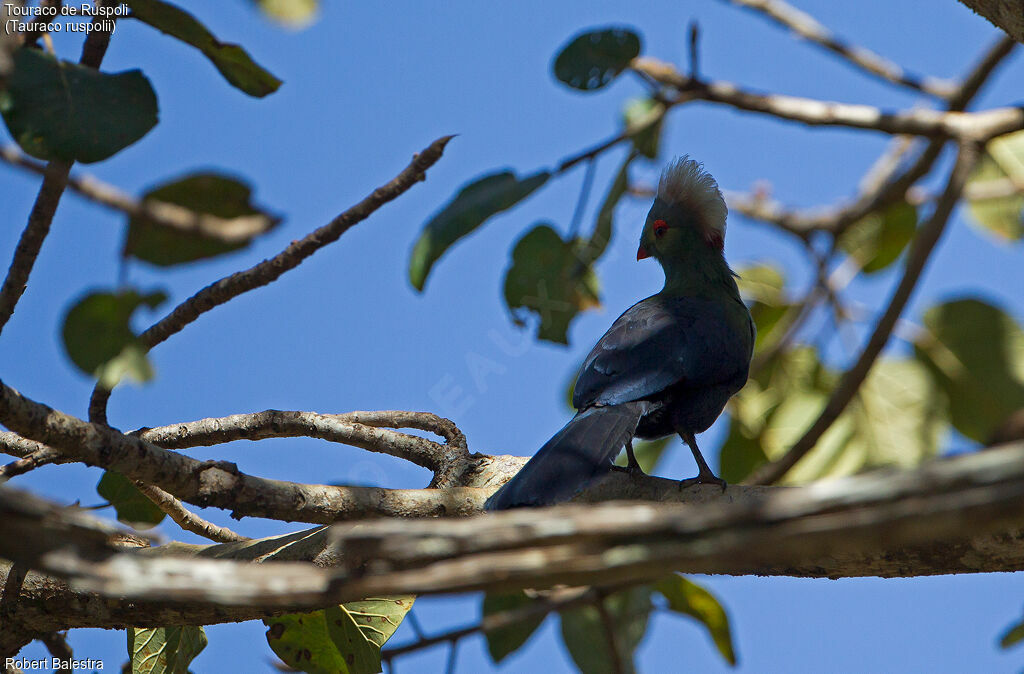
(685, 183)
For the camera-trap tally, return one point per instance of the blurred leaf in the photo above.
(132, 505)
(975, 353)
(164, 650)
(98, 337)
(739, 455)
(548, 278)
(642, 119)
(232, 61)
(209, 193)
(507, 640)
(688, 598)
(877, 240)
(594, 58)
(586, 638)
(60, 110)
(361, 655)
(763, 288)
(292, 13)
(606, 216)
(379, 617)
(1002, 162)
(648, 453)
(1013, 635)
(471, 207)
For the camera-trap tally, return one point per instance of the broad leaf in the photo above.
(877, 240)
(232, 61)
(594, 58)
(471, 207)
(586, 636)
(549, 278)
(292, 13)
(501, 642)
(361, 656)
(60, 110)
(991, 205)
(132, 505)
(686, 597)
(164, 650)
(642, 119)
(379, 617)
(975, 353)
(98, 337)
(208, 193)
(302, 642)
(763, 287)
(606, 216)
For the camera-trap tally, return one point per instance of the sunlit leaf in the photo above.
(594, 58)
(233, 62)
(586, 636)
(98, 337)
(506, 640)
(762, 286)
(291, 13)
(549, 279)
(877, 240)
(471, 207)
(132, 505)
(991, 205)
(302, 642)
(209, 193)
(379, 617)
(164, 650)
(642, 119)
(60, 110)
(686, 597)
(361, 655)
(975, 352)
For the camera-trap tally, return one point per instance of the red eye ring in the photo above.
(660, 227)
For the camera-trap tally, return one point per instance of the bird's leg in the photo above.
(632, 465)
(706, 475)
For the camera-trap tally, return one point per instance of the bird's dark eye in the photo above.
(660, 227)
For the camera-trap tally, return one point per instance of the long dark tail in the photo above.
(582, 451)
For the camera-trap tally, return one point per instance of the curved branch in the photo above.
(186, 519)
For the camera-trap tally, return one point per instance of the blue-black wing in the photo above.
(660, 342)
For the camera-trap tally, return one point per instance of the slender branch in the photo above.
(611, 635)
(859, 57)
(917, 258)
(591, 152)
(163, 214)
(185, 518)
(269, 270)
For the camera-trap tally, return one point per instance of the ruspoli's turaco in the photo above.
(668, 364)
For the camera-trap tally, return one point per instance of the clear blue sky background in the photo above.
(365, 87)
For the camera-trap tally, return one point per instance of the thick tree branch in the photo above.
(271, 269)
(1005, 14)
(924, 243)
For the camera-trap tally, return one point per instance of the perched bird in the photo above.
(668, 364)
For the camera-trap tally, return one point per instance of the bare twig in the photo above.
(269, 270)
(185, 518)
(859, 57)
(927, 237)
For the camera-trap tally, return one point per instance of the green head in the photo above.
(685, 229)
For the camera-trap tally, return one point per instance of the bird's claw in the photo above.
(703, 478)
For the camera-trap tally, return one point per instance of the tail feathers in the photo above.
(582, 451)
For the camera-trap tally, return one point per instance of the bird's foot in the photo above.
(703, 478)
(633, 470)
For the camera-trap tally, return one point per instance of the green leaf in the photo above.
(209, 193)
(471, 207)
(98, 337)
(648, 453)
(642, 119)
(1013, 635)
(132, 505)
(763, 287)
(361, 656)
(586, 637)
(60, 110)
(379, 617)
(506, 640)
(878, 239)
(291, 13)
(548, 277)
(592, 59)
(740, 454)
(302, 642)
(975, 352)
(232, 61)
(999, 212)
(688, 598)
(164, 650)
(606, 216)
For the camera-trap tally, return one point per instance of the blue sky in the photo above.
(365, 87)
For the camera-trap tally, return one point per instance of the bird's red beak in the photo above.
(642, 254)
